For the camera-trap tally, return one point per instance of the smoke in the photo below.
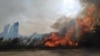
(31, 14)
(63, 24)
(63, 21)
(96, 13)
(88, 3)
(94, 2)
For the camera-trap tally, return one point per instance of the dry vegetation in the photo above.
(57, 52)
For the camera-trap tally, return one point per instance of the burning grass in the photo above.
(83, 24)
(87, 35)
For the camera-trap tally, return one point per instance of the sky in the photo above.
(35, 15)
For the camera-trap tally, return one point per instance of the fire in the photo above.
(55, 40)
(86, 23)
(83, 24)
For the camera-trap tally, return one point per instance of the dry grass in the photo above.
(58, 52)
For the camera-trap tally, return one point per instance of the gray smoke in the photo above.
(64, 23)
(95, 2)
(96, 13)
(61, 22)
(88, 3)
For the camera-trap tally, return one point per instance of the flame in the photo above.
(86, 23)
(54, 40)
(83, 24)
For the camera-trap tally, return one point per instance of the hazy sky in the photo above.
(35, 15)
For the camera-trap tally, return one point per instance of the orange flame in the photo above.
(84, 24)
(54, 40)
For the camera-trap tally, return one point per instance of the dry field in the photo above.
(58, 52)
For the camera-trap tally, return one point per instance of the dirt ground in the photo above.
(60, 52)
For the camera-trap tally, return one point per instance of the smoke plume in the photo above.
(63, 21)
(71, 29)
(94, 2)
